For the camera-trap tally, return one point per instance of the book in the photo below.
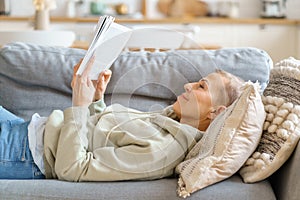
(108, 42)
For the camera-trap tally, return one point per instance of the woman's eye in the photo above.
(201, 86)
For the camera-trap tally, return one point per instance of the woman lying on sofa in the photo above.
(92, 142)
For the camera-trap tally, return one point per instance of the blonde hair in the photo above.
(233, 85)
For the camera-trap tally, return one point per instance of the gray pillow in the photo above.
(37, 78)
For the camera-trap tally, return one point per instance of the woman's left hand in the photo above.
(101, 84)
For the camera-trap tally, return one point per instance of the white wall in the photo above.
(293, 9)
(248, 8)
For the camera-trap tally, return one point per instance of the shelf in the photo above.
(187, 20)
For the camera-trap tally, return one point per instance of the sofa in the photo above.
(36, 79)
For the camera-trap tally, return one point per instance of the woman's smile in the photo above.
(183, 95)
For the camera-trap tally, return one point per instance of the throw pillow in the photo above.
(229, 140)
(281, 129)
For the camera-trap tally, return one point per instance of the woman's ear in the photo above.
(213, 114)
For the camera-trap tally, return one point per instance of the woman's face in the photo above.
(197, 102)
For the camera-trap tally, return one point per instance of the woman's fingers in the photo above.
(75, 69)
(104, 76)
(101, 84)
(83, 91)
(107, 75)
(89, 66)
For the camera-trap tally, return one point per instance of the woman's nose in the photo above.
(188, 87)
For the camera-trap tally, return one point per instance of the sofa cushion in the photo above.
(156, 78)
(228, 142)
(281, 128)
(232, 188)
(37, 78)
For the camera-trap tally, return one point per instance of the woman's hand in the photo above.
(101, 84)
(86, 91)
(82, 86)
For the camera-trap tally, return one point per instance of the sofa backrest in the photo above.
(36, 78)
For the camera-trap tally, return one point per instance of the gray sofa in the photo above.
(37, 79)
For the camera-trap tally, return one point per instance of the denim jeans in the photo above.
(16, 161)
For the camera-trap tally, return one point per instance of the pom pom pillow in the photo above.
(227, 143)
(281, 130)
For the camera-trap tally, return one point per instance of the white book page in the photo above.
(102, 26)
(108, 42)
(109, 50)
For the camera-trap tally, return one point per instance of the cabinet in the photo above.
(280, 41)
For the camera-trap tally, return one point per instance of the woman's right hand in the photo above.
(82, 86)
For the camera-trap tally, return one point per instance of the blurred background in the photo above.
(246, 8)
(271, 25)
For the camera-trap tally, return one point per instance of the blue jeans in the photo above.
(16, 161)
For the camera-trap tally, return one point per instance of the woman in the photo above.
(92, 142)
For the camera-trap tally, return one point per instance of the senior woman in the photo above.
(92, 142)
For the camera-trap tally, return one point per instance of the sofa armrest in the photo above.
(285, 181)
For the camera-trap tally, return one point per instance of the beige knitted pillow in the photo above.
(230, 139)
(281, 128)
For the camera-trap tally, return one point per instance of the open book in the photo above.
(109, 40)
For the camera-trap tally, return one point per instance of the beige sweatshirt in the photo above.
(114, 143)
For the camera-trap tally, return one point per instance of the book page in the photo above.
(103, 24)
(108, 42)
(110, 48)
